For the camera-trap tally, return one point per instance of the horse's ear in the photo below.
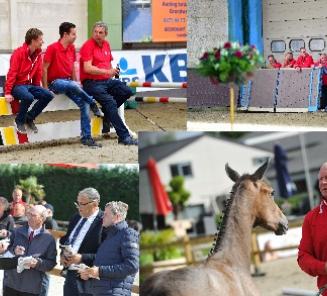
(231, 173)
(261, 171)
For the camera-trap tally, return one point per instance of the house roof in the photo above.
(162, 150)
(315, 146)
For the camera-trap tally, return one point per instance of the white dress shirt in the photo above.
(80, 237)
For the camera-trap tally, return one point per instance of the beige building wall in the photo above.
(287, 20)
(207, 27)
(17, 16)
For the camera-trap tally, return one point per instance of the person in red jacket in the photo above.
(312, 255)
(289, 61)
(273, 64)
(322, 63)
(304, 60)
(24, 79)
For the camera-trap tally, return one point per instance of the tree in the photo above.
(178, 195)
(32, 190)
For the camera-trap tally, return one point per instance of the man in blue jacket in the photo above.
(117, 259)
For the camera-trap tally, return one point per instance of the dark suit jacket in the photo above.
(91, 241)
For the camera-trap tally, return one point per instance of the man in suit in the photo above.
(83, 236)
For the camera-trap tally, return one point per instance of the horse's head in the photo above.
(260, 195)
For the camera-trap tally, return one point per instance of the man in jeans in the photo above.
(60, 77)
(23, 81)
(96, 76)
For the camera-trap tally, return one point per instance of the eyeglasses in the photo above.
(78, 204)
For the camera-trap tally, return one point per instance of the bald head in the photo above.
(322, 177)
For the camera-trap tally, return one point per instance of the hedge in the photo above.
(62, 185)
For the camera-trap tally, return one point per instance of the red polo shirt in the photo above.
(312, 254)
(61, 61)
(100, 56)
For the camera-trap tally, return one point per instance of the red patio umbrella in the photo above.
(163, 204)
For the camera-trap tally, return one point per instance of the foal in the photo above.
(226, 272)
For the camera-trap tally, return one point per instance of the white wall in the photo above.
(207, 27)
(17, 16)
(208, 157)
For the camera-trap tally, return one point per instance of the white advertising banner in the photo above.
(142, 65)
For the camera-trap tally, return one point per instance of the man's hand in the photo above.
(73, 259)
(298, 69)
(3, 233)
(113, 71)
(9, 98)
(33, 263)
(19, 250)
(3, 247)
(92, 272)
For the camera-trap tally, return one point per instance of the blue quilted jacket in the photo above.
(118, 261)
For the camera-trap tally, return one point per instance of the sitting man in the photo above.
(304, 60)
(273, 64)
(23, 81)
(59, 74)
(117, 259)
(289, 61)
(30, 240)
(97, 78)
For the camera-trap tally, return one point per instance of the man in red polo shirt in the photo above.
(312, 256)
(59, 75)
(304, 60)
(24, 79)
(97, 78)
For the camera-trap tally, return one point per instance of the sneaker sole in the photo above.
(22, 132)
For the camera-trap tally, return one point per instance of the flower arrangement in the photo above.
(230, 63)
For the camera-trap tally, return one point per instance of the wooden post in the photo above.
(188, 250)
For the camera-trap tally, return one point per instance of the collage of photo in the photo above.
(163, 148)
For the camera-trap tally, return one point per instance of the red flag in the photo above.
(163, 204)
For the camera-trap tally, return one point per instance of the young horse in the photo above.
(226, 272)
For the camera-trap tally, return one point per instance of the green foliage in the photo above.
(32, 191)
(293, 204)
(150, 238)
(178, 195)
(230, 63)
(61, 185)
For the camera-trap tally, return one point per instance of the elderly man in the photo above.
(17, 198)
(31, 240)
(83, 237)
(117, 259)
(97, 76)
(312, 256)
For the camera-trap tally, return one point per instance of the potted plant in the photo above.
(231, 64)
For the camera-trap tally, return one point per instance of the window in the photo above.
(317, 44)
(181, 169)
(296, 44)
(278, 46)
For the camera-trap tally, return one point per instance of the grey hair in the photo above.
(4, 202)
(41, 210)
(102, 25)
(91, 193)
(118, 208)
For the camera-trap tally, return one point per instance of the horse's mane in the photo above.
(219, 236)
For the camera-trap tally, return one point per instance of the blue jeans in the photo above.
(111, 94)
(71, 285)
(27, 94)
(72, 90)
